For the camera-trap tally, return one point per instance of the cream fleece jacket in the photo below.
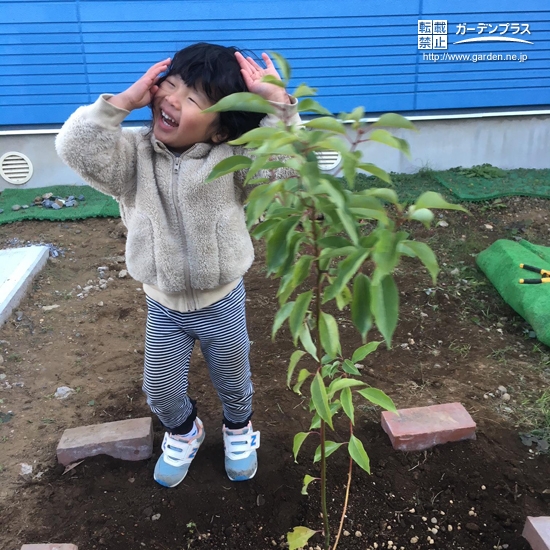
(182, 233)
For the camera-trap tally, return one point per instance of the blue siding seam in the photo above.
(83, 50)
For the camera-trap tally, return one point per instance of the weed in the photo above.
(461, 349)
(14, 357)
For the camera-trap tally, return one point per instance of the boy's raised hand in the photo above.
(141, 92)
(253, 74)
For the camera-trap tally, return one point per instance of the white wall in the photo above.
(507, 142)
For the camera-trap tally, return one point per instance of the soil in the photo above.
(456, 341)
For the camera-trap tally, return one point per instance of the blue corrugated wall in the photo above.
(57, 55)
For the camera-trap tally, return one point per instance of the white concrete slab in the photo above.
(18, 267)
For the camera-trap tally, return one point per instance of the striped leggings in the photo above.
(169, 340)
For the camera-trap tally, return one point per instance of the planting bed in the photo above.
(456, 342)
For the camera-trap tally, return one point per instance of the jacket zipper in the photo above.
(186, 269)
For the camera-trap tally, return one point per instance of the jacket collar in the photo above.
(198, 151)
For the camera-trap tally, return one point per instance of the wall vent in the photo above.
(15, 168)
(328, 160)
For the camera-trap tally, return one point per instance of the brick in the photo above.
(49, 547)
(125, 439)
(423, 427)
(537, 532)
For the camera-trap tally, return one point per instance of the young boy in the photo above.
(187, 240)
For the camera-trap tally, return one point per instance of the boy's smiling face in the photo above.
(178, 120)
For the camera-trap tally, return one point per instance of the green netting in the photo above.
(500, 263)
(96, 204)
(471, 185)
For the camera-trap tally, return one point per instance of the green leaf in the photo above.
(422, 215)
(320, 399)
(284, 67)
(307, 342)
(347, 404)
(277, 243)
(358, 453)
(329, 334)
(299, 438)
(360, 353)
(426, 255)
(344, 298)
(280, 317)
(330, 447)
(430, 199)
(296, 318)
(294, 358)
(259, 199)
(361, 304)
(388, 195)
(295, 277)
(341, 383)
(385, 307)
(257, 134)
(334, 241)
(312, 106)
(393, 120)
(303, 375)
(307, 480)
(384, 137)
(228, 165)
(350, 368)
(385, 254)
(378, 397)
(270, 79)
(242, 101)
(264, 228)
(346, 270)
(326, 123)
(298, 537)
(303, 90)
(375, 171)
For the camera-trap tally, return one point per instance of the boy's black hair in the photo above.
(214, 70)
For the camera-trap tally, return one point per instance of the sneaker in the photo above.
(241, 461)
(178, 453)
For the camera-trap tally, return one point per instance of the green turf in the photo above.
(96, 204)
(500, 263)
(486, 182)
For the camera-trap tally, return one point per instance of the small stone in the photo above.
(434, 531)
(50, 308)
(26, 469)
(434, 520)
(455, 271)
(449, 527)
(488, 226)
(473, 527)
(122, 274)
(24, 206)
(471, 513)
(100, 304)
(502, 389)
(346, 533)
(505, 397)
(63, 392)
(148, 512)
(155, 517)
(16, 207)
(442, 223)
(103, 268)
(483, 487)
(358, 534)
(412, 510)
(414, 540)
